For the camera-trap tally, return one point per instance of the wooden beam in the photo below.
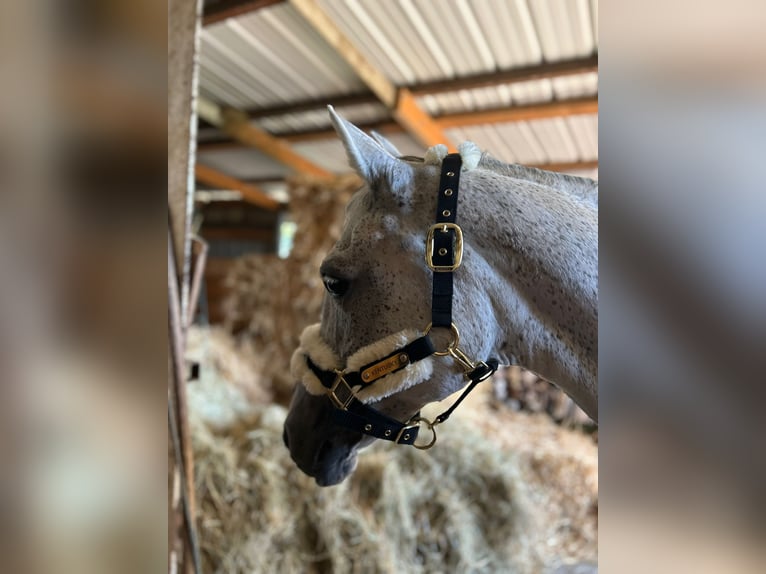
(243, 233)
(500, 115)
(484, 80)
(418, 122)
(236, 124)
(333, 35)
(514, 76)
(520, 113)
(250, 192)
(182, 63)
(404, 107)
(314, 105)
(387, 127)
(219, 145)
(562, 108)
(219, 11)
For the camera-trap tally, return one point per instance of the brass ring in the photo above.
(452, 345)
(430, 427)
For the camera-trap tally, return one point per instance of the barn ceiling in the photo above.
(500, 73)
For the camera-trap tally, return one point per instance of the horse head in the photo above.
(377, 300)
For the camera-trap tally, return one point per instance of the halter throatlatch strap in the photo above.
(444, 245)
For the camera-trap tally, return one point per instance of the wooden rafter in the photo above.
(333, 35)
(484, 80)
(218, 11)
(236, 124)
(506, 77)
(562, 108)
(403, 106)
(417, 122)
(250, 192)
(313, 105)
(521, 113)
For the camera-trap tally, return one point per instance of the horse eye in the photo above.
(335, 287)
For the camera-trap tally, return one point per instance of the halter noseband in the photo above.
(444, 254)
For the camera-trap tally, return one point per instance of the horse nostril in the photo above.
(284, 438)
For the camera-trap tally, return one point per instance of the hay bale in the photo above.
(524, 390)
(271, 300)
(501, 491)
(230, 383)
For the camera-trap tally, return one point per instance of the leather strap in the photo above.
(366, 420)
(415, 351)
(481, 373)
(359, 417)
(444, 241)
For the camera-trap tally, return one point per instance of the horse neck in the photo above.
(540, 246)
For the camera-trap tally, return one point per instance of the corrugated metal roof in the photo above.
(273, 57)
(551, 140)
(320, 119)
(270, 57)
(521, 93)
(565, 28)
(412, 41)
(329, 153)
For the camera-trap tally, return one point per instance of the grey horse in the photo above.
(526, 293)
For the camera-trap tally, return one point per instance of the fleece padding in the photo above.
(313, 346)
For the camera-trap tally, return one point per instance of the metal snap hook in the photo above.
(459, 356)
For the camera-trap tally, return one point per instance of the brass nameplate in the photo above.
(385, 367)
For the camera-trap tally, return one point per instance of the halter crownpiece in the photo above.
(404, 359)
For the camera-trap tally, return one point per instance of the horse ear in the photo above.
(373, 163)
(386, 144)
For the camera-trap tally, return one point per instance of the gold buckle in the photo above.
(415, 423)
(458, 253)
(341, 403)
(407, 427)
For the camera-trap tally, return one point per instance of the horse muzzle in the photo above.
(319, 447)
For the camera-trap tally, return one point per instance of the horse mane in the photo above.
(583, 187)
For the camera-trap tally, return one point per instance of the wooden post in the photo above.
(183, 30)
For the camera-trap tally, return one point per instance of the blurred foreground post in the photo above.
(183, 27)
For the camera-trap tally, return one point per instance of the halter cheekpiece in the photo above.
(348, 389)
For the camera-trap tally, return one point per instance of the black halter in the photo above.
(444, 254)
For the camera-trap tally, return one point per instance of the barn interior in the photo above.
(512, 485)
